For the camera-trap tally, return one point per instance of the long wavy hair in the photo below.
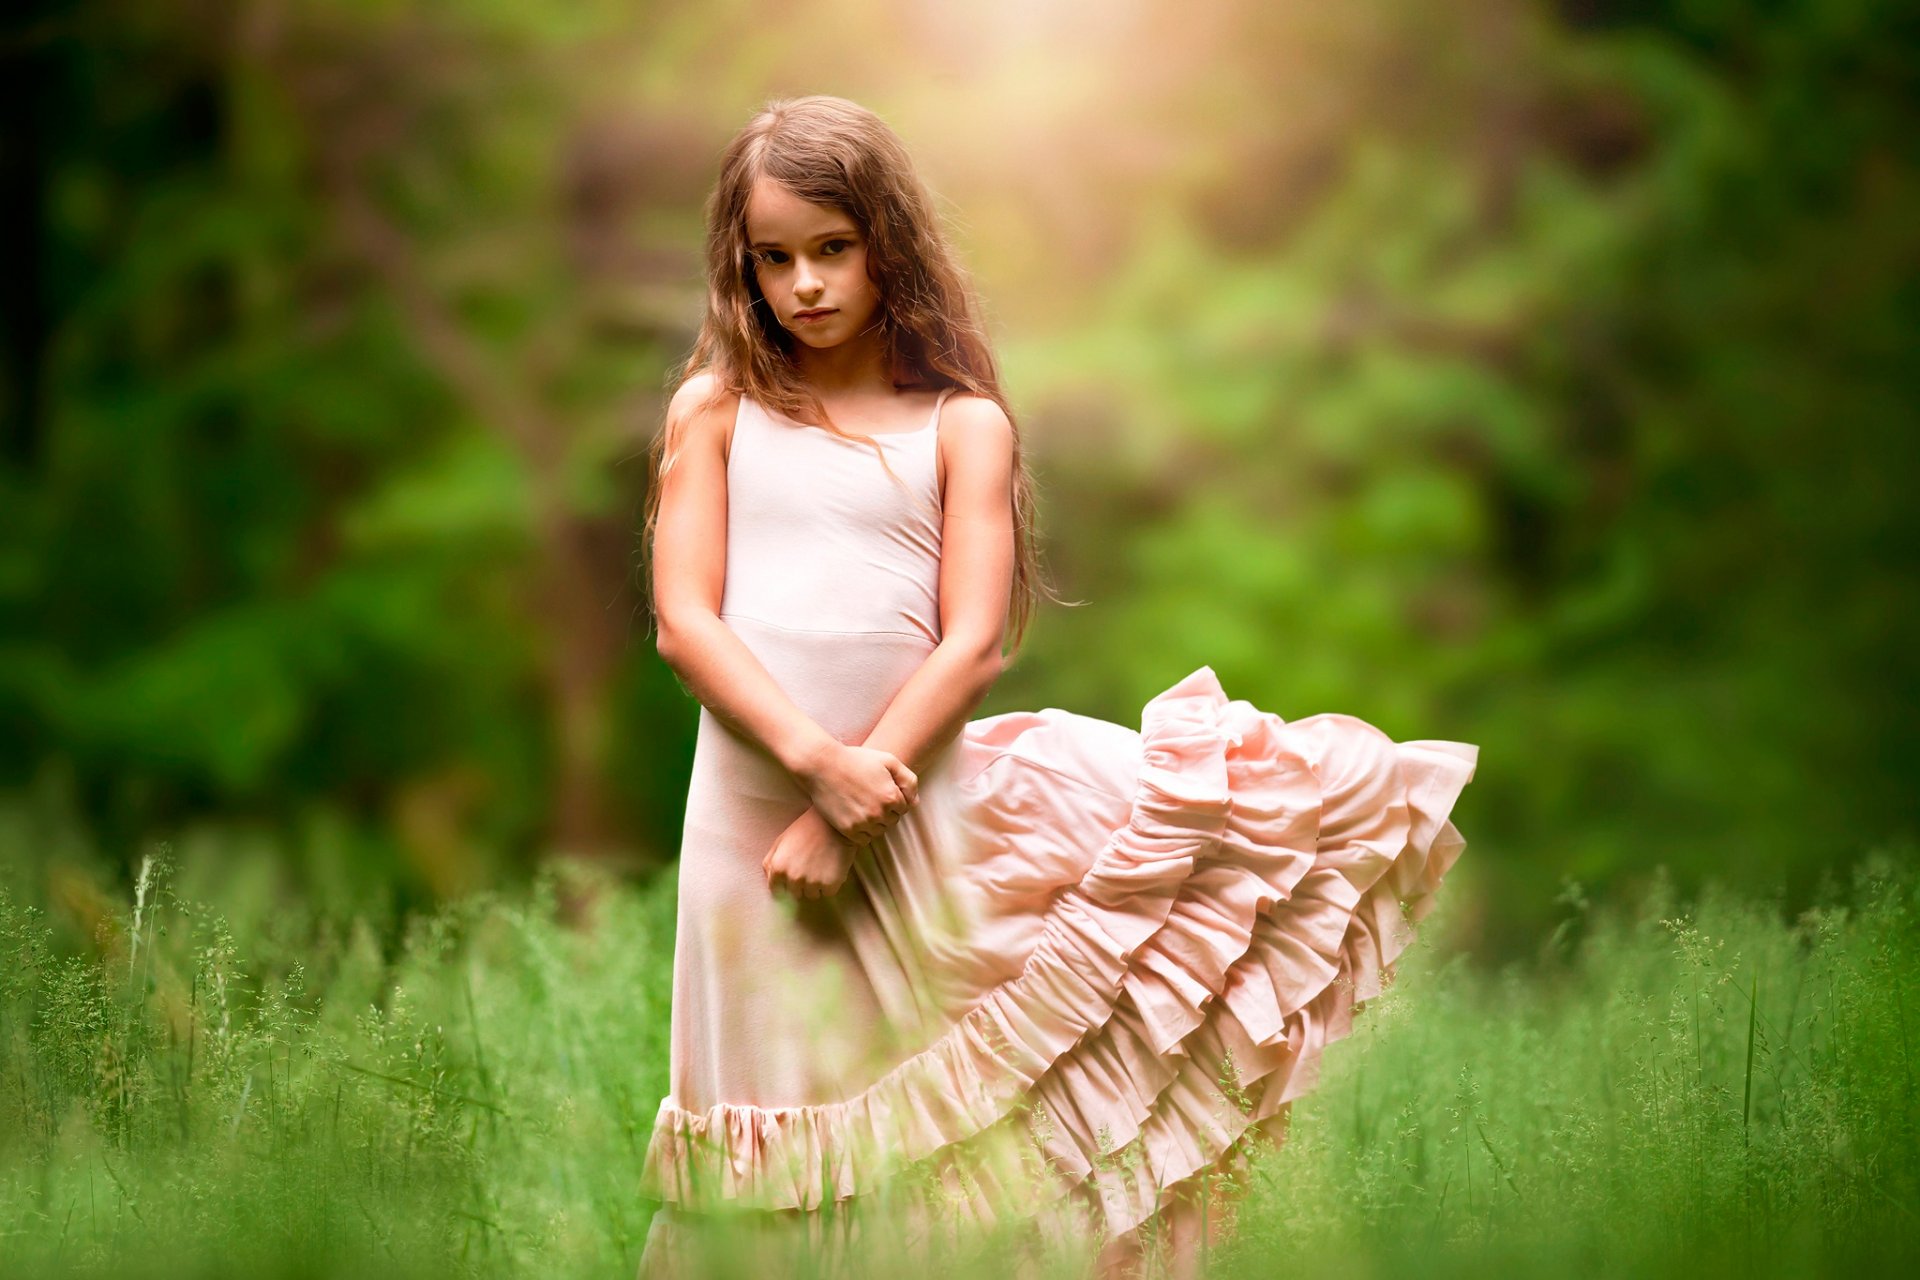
(833, 152)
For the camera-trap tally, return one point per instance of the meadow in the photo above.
(198, 1079)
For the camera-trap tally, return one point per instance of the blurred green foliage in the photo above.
(1531, 375)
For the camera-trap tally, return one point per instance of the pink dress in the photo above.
(1089, 961)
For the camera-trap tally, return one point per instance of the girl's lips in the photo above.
(804, 316)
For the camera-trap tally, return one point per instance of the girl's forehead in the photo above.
(775, 213)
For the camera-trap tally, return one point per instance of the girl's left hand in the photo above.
(809, 859)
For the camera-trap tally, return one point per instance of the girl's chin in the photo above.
(826, 337)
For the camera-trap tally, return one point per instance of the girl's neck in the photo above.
(855, 366)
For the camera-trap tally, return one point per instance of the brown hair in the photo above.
(833, 152)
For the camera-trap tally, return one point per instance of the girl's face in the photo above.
(811, 263)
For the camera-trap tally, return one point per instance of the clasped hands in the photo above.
(858, 793)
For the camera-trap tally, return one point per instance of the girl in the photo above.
(1035, 967)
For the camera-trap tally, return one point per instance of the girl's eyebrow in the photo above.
(824, 235)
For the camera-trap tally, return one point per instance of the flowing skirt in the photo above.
(1089, 966)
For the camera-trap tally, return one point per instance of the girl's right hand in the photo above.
(861, 791)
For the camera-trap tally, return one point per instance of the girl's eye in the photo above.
(778, 257)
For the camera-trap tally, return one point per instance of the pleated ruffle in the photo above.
(1183, 990)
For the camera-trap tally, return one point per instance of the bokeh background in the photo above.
(1534, 374)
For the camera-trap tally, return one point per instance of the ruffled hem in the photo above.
(1266, 880)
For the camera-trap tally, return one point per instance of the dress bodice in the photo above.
(821, 538)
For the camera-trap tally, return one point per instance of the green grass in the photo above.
(1670, 1088)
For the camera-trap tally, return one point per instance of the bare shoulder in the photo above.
(974, 461)
(974, 425)
(701, 412)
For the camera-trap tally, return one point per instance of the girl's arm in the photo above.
(859, 790)
(976, 583)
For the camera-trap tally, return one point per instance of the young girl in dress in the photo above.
(1034, 968)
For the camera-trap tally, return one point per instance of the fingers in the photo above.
(797, 886)
(906, 794)
(905, 779)
(871, 830)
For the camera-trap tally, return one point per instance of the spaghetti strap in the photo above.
(741, 417)
(939, 400)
